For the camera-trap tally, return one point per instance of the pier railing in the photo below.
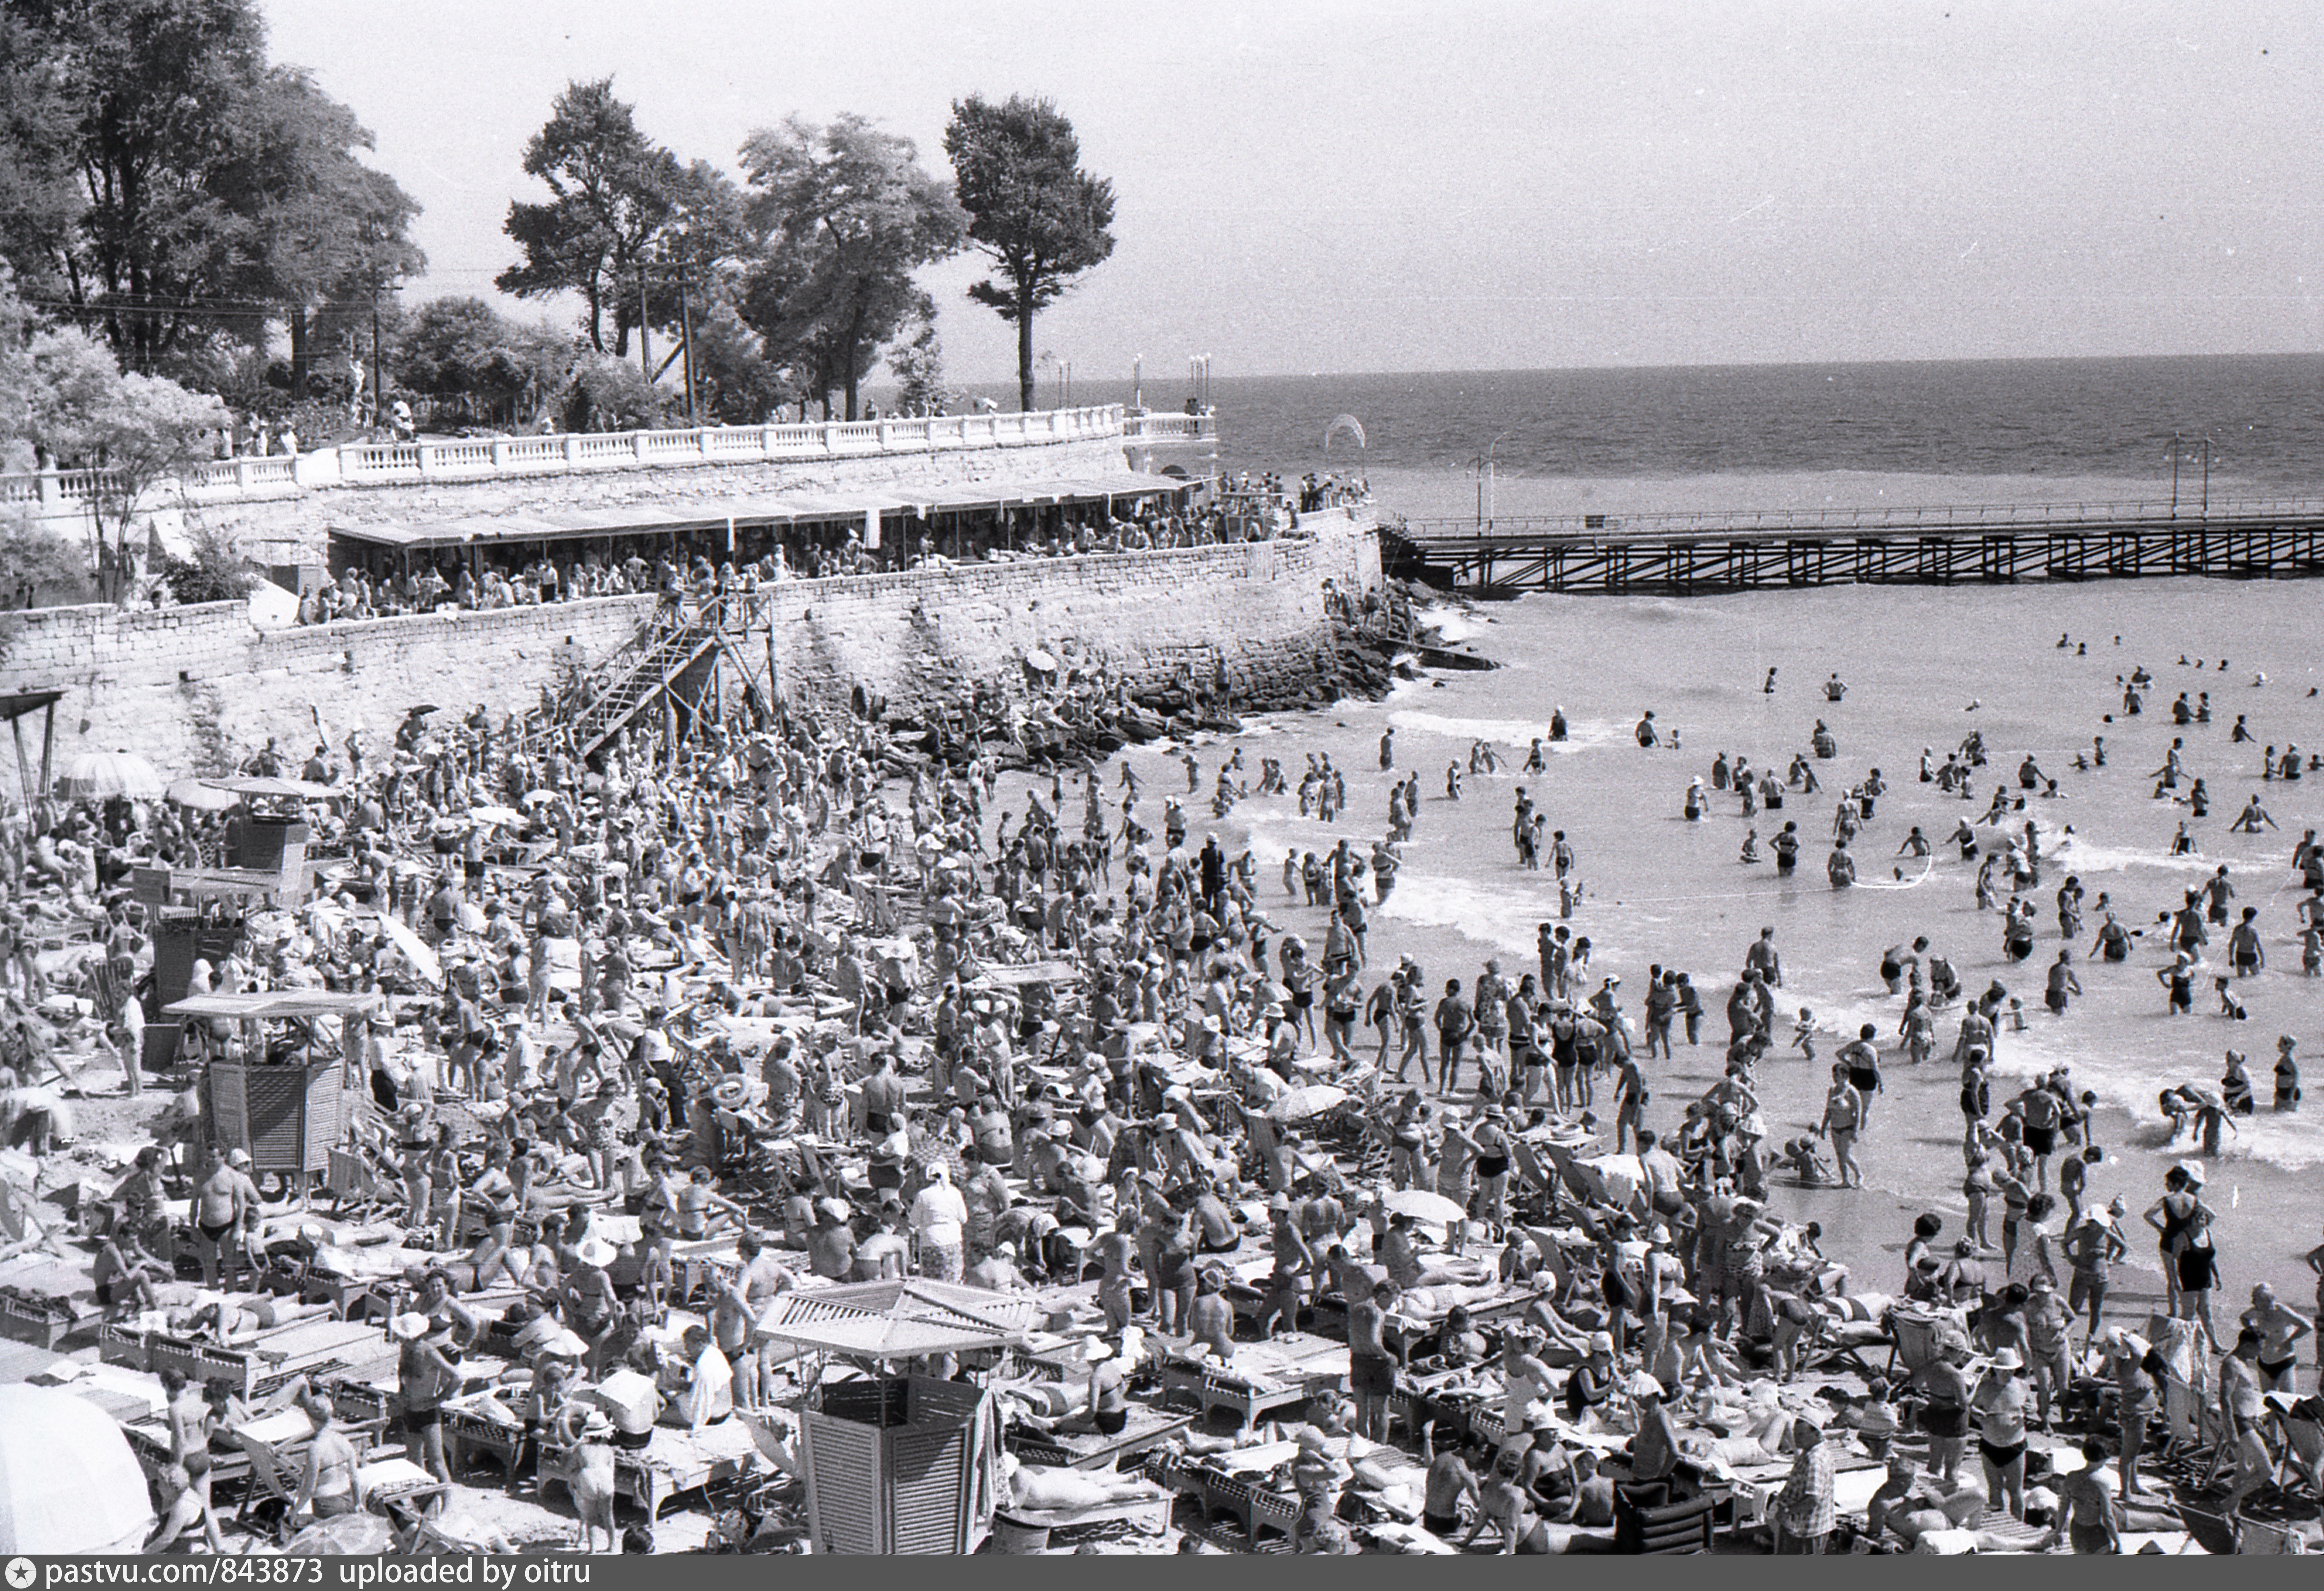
(2238, 539)
(497, 458)
(1930, 518)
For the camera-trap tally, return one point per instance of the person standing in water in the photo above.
(1843, 1118)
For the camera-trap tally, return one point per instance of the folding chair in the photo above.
(1913, 1341)
(276, 1446)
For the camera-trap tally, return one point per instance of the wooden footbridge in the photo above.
(1604, 553)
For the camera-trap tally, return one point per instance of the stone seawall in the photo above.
(191, 687)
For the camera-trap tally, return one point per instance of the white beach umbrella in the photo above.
(100, 776)
(1422, 1205)
(1311, 1100)
(68, 1481)
(201, 797)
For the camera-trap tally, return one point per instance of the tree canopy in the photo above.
(848, 213)
(1032, 209)
(612, 192)
(477, 362)
(170, 188)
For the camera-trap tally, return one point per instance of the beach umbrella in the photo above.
(1301, 1103)
(68, 1481)
(201, 797)
(1422, 1205)
(351, 1535)
(413, 949)
(470, 917)
(104, 776)
(539, 797)
(507, 816)
(1040, 661)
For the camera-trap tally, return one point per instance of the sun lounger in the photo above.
(1146, 1428)
(397, 1481)
(1148, 1516)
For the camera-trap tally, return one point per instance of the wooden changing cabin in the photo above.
(285, 1098)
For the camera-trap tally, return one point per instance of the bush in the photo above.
(215, 573)
(56, 568)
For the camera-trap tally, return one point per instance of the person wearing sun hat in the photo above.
(424, 1378)
(2000, 1403)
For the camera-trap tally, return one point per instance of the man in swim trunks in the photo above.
(424, 1378)
(1449, 1478)
(1371, 1374)
(226, 1209)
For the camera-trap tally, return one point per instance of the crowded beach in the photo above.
(461, 1145)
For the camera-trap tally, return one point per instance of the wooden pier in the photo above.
(1679, 554)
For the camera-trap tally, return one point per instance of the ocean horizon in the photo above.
(2106, 419)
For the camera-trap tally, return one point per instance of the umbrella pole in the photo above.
(23, 767)
(48, 747)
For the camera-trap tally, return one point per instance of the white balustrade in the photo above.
(381, 463)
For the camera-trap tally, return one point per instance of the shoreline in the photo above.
(2268, 1213)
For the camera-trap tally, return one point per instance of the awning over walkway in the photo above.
(714, 514)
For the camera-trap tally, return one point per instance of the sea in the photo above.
(2037, 669)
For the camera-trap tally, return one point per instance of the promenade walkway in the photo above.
(400, 464)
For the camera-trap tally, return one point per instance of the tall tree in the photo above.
(848, 213)
(194, 160)
(335, 231)
(612, 192)
(1032, 209)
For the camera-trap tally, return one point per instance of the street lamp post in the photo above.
(2181, 448)
(1483, 465)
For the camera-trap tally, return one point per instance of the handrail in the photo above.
(2159, 513)
(480, 458)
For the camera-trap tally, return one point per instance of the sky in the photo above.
(1387, 185)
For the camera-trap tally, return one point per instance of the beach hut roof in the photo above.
(898, 1319)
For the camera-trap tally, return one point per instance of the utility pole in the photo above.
(685, 330)
(645, 337)
(376, 360)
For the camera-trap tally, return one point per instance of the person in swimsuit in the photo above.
(424, 1377)
(1450, 1477)
(186, 1509)
(2279, 1331)
(1492, 1166)
(2190, 1261)
(1373, 1373)
(225, 1207)
(2138, 1371)
(1945, 1416)
(1109, 1400)
(2093, 1513)
(2243, 1409)
(2000, 1401)
(331, 1486)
